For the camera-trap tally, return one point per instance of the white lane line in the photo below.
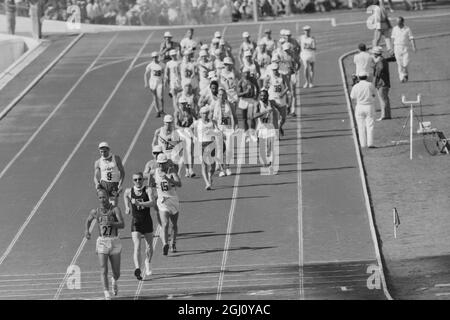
(442, 294)
(442, 285)
(31, 139)
(125, 158)
(39, 77)
(260, 31)
(299, 191)
(56, 178)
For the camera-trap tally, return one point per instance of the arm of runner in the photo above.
(87, 224)
(122, 173)
(147, 71)
(96, 173)
(126, 200)
(174, 179)
(155, 138)
(150, 203)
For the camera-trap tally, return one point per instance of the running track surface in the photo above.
(253, 237)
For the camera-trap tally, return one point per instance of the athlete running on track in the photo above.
(308, 56)
(166, 136)
(167, 180)
(111, 171)
(246, 45)
(153, 79)
(172, 77)
(277, 89)
(183, 121)
(189, 71)
(166, 46)
(138, 201)
(203, 129)
(108, 247)
(263, 59)
(204, 67)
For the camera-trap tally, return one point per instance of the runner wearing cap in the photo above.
(251, 65)
(173, 77)
(153, 79)
(248, 91)
(188, 43)
(189, 71)
(225, 48)
(263, 59)
(166, 46)
(111, 171)
(295, 46)
(223, 114)
(246, 45)
(204, 131)
(214, 46)
(227, 80)
(270, 43)
(184, 120)
(138, 200)
(308, 56)
(288, 69)
(277, 89)
(167, 180)
(265, 116)
(218, 36)
(166, 136)
(204, 67)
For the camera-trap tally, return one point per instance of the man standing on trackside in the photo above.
(364, 93)
(401, 36)
(381, 80)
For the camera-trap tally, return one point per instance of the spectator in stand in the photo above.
(163, 19)
(98, 13)
(133, 16)
(83, 12)
(90, 11)
(172, 14)
(145, 17)
(121, 18)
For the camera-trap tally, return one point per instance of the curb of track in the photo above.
(362, 173)
(13, 103)
(362, 169)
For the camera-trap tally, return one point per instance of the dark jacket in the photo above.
(381, 77)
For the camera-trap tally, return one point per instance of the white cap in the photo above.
(154, 54)
(167, 34)
(218, 51)
(204, 47)
(282, 32)
(172, 52)
(162, 158)
(168, 118)
(103, 145)
(267, 31)
(204, 109)
(217, 34)
(187, 52)
(286, 46)
(227, 60)
(245, 34)
(220, 65)
(157, 148)
(306, 27)
(274, 66)
(282, 40)
(247, 53)
(262, 43)
(203, 53)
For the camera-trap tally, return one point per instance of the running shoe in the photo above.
(173, 248)
(228, 172)
(166, 249)
(107, 295)
(115, 289)
(158, 114)
(293, 115)
(187, 174)
(148, 269)
(137, 274)
(305, 85)
(221, 174)
(192, 174)
(311, 85)
(208, 187)
(282, 132)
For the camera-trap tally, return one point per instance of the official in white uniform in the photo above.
(364, 93)
(401, 37)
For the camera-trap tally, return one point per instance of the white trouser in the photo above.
(402, 57)
(365, 115)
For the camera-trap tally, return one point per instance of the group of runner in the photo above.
(207, 90)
